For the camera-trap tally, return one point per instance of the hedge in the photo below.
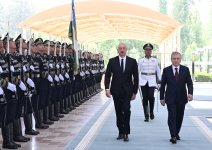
(203, 77)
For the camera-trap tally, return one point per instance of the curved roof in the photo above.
(99, 20)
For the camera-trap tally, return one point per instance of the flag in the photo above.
(72, 34)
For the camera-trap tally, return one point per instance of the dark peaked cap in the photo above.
(38, 41)
(148, 45)
(46, 42)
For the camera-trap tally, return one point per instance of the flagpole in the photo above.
(73, 35)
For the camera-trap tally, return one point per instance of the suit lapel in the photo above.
(126, 64)
(118, 63)
(180, 72)
(171, 72)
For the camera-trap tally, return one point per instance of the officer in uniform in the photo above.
(148, 72)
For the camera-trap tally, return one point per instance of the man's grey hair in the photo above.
(121, 44)
(176, 53)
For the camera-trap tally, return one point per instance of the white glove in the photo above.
(50, 65)
(67, 75)
(1, 70)
(93, 71)
(67, 64)
(158, 87)
(30, 82)
(82, 73)
(87, 72)
(56, 78)
(30, 95)
(73, 77)
(32, 67)
(62, 66)
(103, 70)
(12, 68)
(1, 91)
(61, 77)
(22, 86)
(50, 78)
(11, 87)
(24, 68)
(57, 66)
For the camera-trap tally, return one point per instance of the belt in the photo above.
(37, 75)
(148, 74)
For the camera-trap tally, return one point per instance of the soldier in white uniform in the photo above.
(148, 72)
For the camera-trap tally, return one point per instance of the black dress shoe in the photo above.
(48, 122)
(152, 116)
(120, 136)
(31, 132)
(178, 137)
(146, 119)
(41, 126)
(59, 115)
(126, 139)
(18, 145)
(53, 118)
(173, 140)
(21, 139)
(64, 112)
(9, 145)
(68, 109)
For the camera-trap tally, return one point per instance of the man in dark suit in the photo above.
(173, 85)
(123, 88)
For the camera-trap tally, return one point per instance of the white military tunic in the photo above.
(148, 68)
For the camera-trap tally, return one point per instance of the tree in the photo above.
(14, 12)
(163, 6)
(191, 33)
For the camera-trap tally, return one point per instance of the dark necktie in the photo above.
(176, 74)
(122, 65)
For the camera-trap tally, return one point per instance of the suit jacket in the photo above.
(127, 80)
(175, 91)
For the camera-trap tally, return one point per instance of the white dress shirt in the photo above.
(173, 69)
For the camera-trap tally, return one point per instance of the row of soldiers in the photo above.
(39, 79)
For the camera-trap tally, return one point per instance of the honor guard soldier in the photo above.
(10, 92)
(148, 72)
(51, 84)
(67, 76)
(71, 62)
(44, 89)
(102, 67)
(22, 91)
(22, 47)
(59, 79)
(7, 103)
(39, 74)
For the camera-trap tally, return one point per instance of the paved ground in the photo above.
(196, 132)
(92, 126)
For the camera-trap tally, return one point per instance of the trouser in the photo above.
(148, 99)
(122, 108)
(175, 118)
